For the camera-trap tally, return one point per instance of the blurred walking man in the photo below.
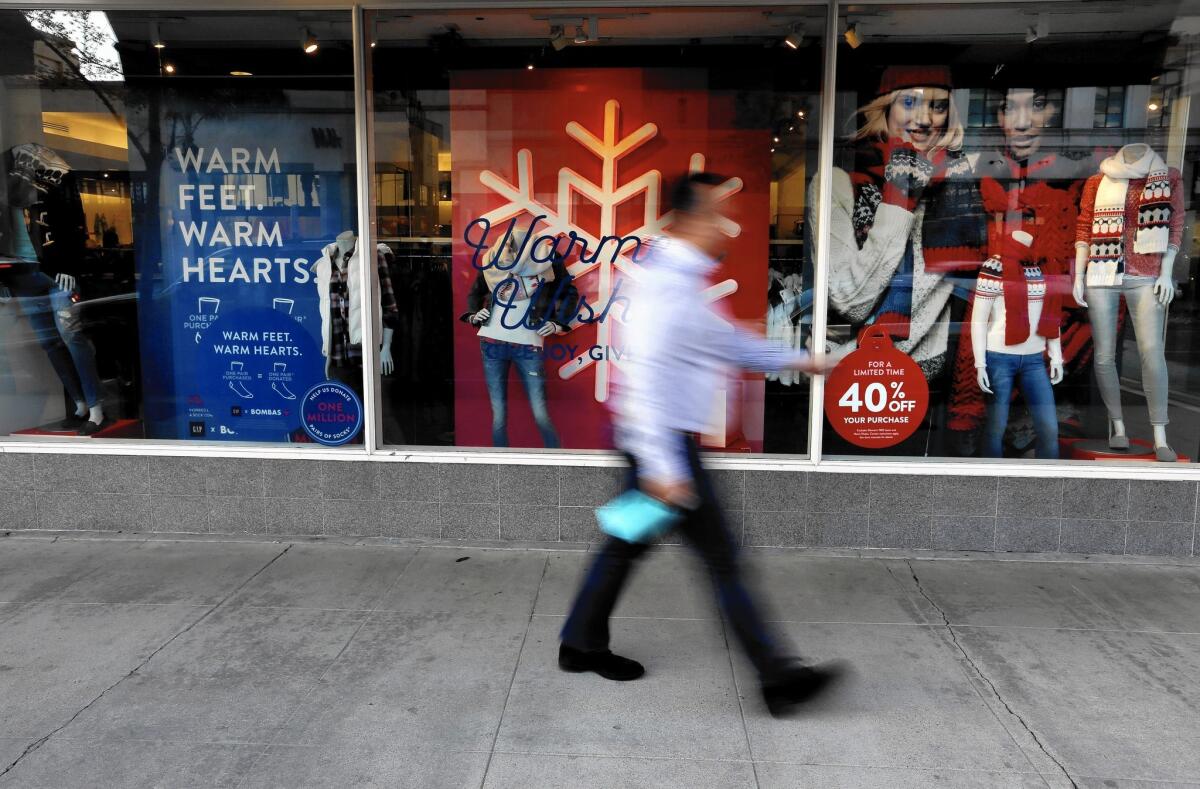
(680, 353)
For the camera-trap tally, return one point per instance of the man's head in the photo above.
(694, 200)
(1023, 114)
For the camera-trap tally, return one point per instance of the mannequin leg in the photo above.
(1001, 369)
(33, 296)
(1103, 306)
(83, 353)
(1039, 399)
(532, 370)
(496, 361)
(1148, 319)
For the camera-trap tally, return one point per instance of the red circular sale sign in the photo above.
(877, 396)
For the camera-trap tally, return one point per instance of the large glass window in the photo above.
(563, 128)
(1011, 255)
(178, 207)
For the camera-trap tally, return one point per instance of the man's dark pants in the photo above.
(704, 529)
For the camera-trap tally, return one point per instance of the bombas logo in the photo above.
(265, 412)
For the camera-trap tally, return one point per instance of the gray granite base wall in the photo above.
(549, 503)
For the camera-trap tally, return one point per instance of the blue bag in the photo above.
(635, 517)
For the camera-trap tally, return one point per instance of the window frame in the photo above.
(365, 191)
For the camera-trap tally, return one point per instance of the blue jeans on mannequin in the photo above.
(497, 359)
(1149, 317)
(1028, 372)
(56, 324)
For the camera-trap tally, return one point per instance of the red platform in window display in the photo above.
(120, 428)
(1098, 449)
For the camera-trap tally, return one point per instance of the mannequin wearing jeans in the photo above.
(56, 325)
(1009, 326)
(1130, 226)
(518, 299)
(1148, 312)
(41, 243)
(498, 359)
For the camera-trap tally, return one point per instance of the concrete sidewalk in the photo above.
(126, 662)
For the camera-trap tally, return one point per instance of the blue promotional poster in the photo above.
(229, 305)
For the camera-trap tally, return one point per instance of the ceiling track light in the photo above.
(558, 38)
(156, 39)
(852, 36)
(591, 32)
(795, 38)
(168, 68)
(309, 42)
(1039, 30)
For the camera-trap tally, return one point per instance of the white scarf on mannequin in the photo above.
(1107, 260)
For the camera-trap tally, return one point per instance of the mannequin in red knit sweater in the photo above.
(1026, 186)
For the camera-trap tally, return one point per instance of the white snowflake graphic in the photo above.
(608, 195)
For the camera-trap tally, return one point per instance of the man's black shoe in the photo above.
(795, 684)
(605, 663)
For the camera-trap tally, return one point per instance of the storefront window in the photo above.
(550, 138)
(1010, 244)
(180, 193)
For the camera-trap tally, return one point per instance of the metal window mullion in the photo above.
(821, 237)
(363, 150)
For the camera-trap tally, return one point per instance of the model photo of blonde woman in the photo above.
(907, 229)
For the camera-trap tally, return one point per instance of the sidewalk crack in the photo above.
(38, 743)
(512, 681)
(975, 667)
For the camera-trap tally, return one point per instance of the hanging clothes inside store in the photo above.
(783, 313)
(785, 414)
(420, 394)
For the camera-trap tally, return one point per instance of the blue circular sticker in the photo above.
(331, 413)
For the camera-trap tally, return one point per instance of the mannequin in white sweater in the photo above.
(1116, 256)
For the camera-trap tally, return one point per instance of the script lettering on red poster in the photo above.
(877, 396)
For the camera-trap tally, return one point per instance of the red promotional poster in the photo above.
(877, 396)
(587, 154)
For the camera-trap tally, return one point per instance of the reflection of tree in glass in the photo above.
(91, 38)
(81, 52)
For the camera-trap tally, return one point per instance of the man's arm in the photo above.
(753, 352)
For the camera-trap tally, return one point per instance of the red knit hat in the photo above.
(901, 77)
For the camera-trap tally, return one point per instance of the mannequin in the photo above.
(517, 300)
(1013, 325)
(43, 234)
(338, 287)
(1130, 226)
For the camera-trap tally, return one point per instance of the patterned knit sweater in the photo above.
(1136, 265)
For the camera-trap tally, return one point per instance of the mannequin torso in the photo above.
(989, 319)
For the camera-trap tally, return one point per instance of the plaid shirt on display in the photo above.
(341, 352)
